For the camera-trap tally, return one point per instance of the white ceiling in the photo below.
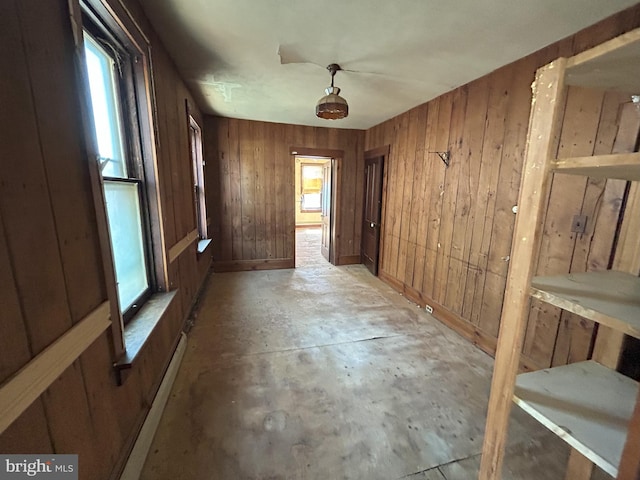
(407, 51)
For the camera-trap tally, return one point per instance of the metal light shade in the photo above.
(332, 106)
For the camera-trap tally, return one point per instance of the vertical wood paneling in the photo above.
(51, 267)
(356, 241)
(14, 344)
(418, 226)
(270, 204)
(24, 194)
(350, 240)
(247, 189)
(383, 211)
(346, 208)
(218, 140)
(452, 174)
(415, 255)
(409, 220)
(447, 231)
(439, 119)
(166, 148)
(181, 173)
(388, 205)
(28, 434)
(234, 204)
(486, 199)
(403, 184)
(394, 212)
(461, 265)
(261, 184)
(260, 207)
(280, 191)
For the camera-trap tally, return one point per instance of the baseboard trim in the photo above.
(349, 259)
(138, 455)
(248, 265)
(393, 282)
(487, 343)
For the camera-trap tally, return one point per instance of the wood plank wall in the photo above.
(446, 233)
(253, 212)
(50, 263)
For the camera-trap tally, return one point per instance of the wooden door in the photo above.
(325, 247)
(370, 247)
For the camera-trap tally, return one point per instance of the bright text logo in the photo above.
(41, 467)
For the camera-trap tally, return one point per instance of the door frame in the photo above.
(383, 152)
(336, 157)
(326, 201)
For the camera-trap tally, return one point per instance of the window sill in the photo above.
(139, 330)
(203, 244)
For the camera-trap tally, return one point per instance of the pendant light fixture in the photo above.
(332, 106)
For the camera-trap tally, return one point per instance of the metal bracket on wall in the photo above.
(579, 224)
(444, 156)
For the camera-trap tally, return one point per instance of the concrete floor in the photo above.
(325, 372)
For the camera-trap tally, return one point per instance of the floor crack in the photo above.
(294, 349)
(437, 467)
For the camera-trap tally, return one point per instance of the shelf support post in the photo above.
(578, 467)
(542, 140)
(630, 461)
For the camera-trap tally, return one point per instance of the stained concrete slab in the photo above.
(324, 372)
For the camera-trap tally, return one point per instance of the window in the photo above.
(195, 139)
(311, 185)
(112, 89)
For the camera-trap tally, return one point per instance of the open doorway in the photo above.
(313, 182)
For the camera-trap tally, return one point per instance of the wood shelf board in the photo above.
(586, 404)
(608, 297)
(624, 166)
(613, 65)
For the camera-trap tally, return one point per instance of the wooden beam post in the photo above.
(546, 108)
(630, 461)
(578, 467)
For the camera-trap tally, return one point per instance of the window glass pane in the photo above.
(123, 210)
(311, 178)
(311, 201)
(106, 117)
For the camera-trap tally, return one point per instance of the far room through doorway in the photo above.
(312, 210)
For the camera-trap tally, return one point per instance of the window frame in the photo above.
(303, 192)
(196, 154)
(136, 104)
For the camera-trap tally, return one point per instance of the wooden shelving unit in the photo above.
(586, 404)
(591, 406)
(608, 297)
(625, 166)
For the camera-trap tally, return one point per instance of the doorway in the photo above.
(313, 219)
(333, 159)
(372, 214)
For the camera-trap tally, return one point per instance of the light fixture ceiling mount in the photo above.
(332, 106)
